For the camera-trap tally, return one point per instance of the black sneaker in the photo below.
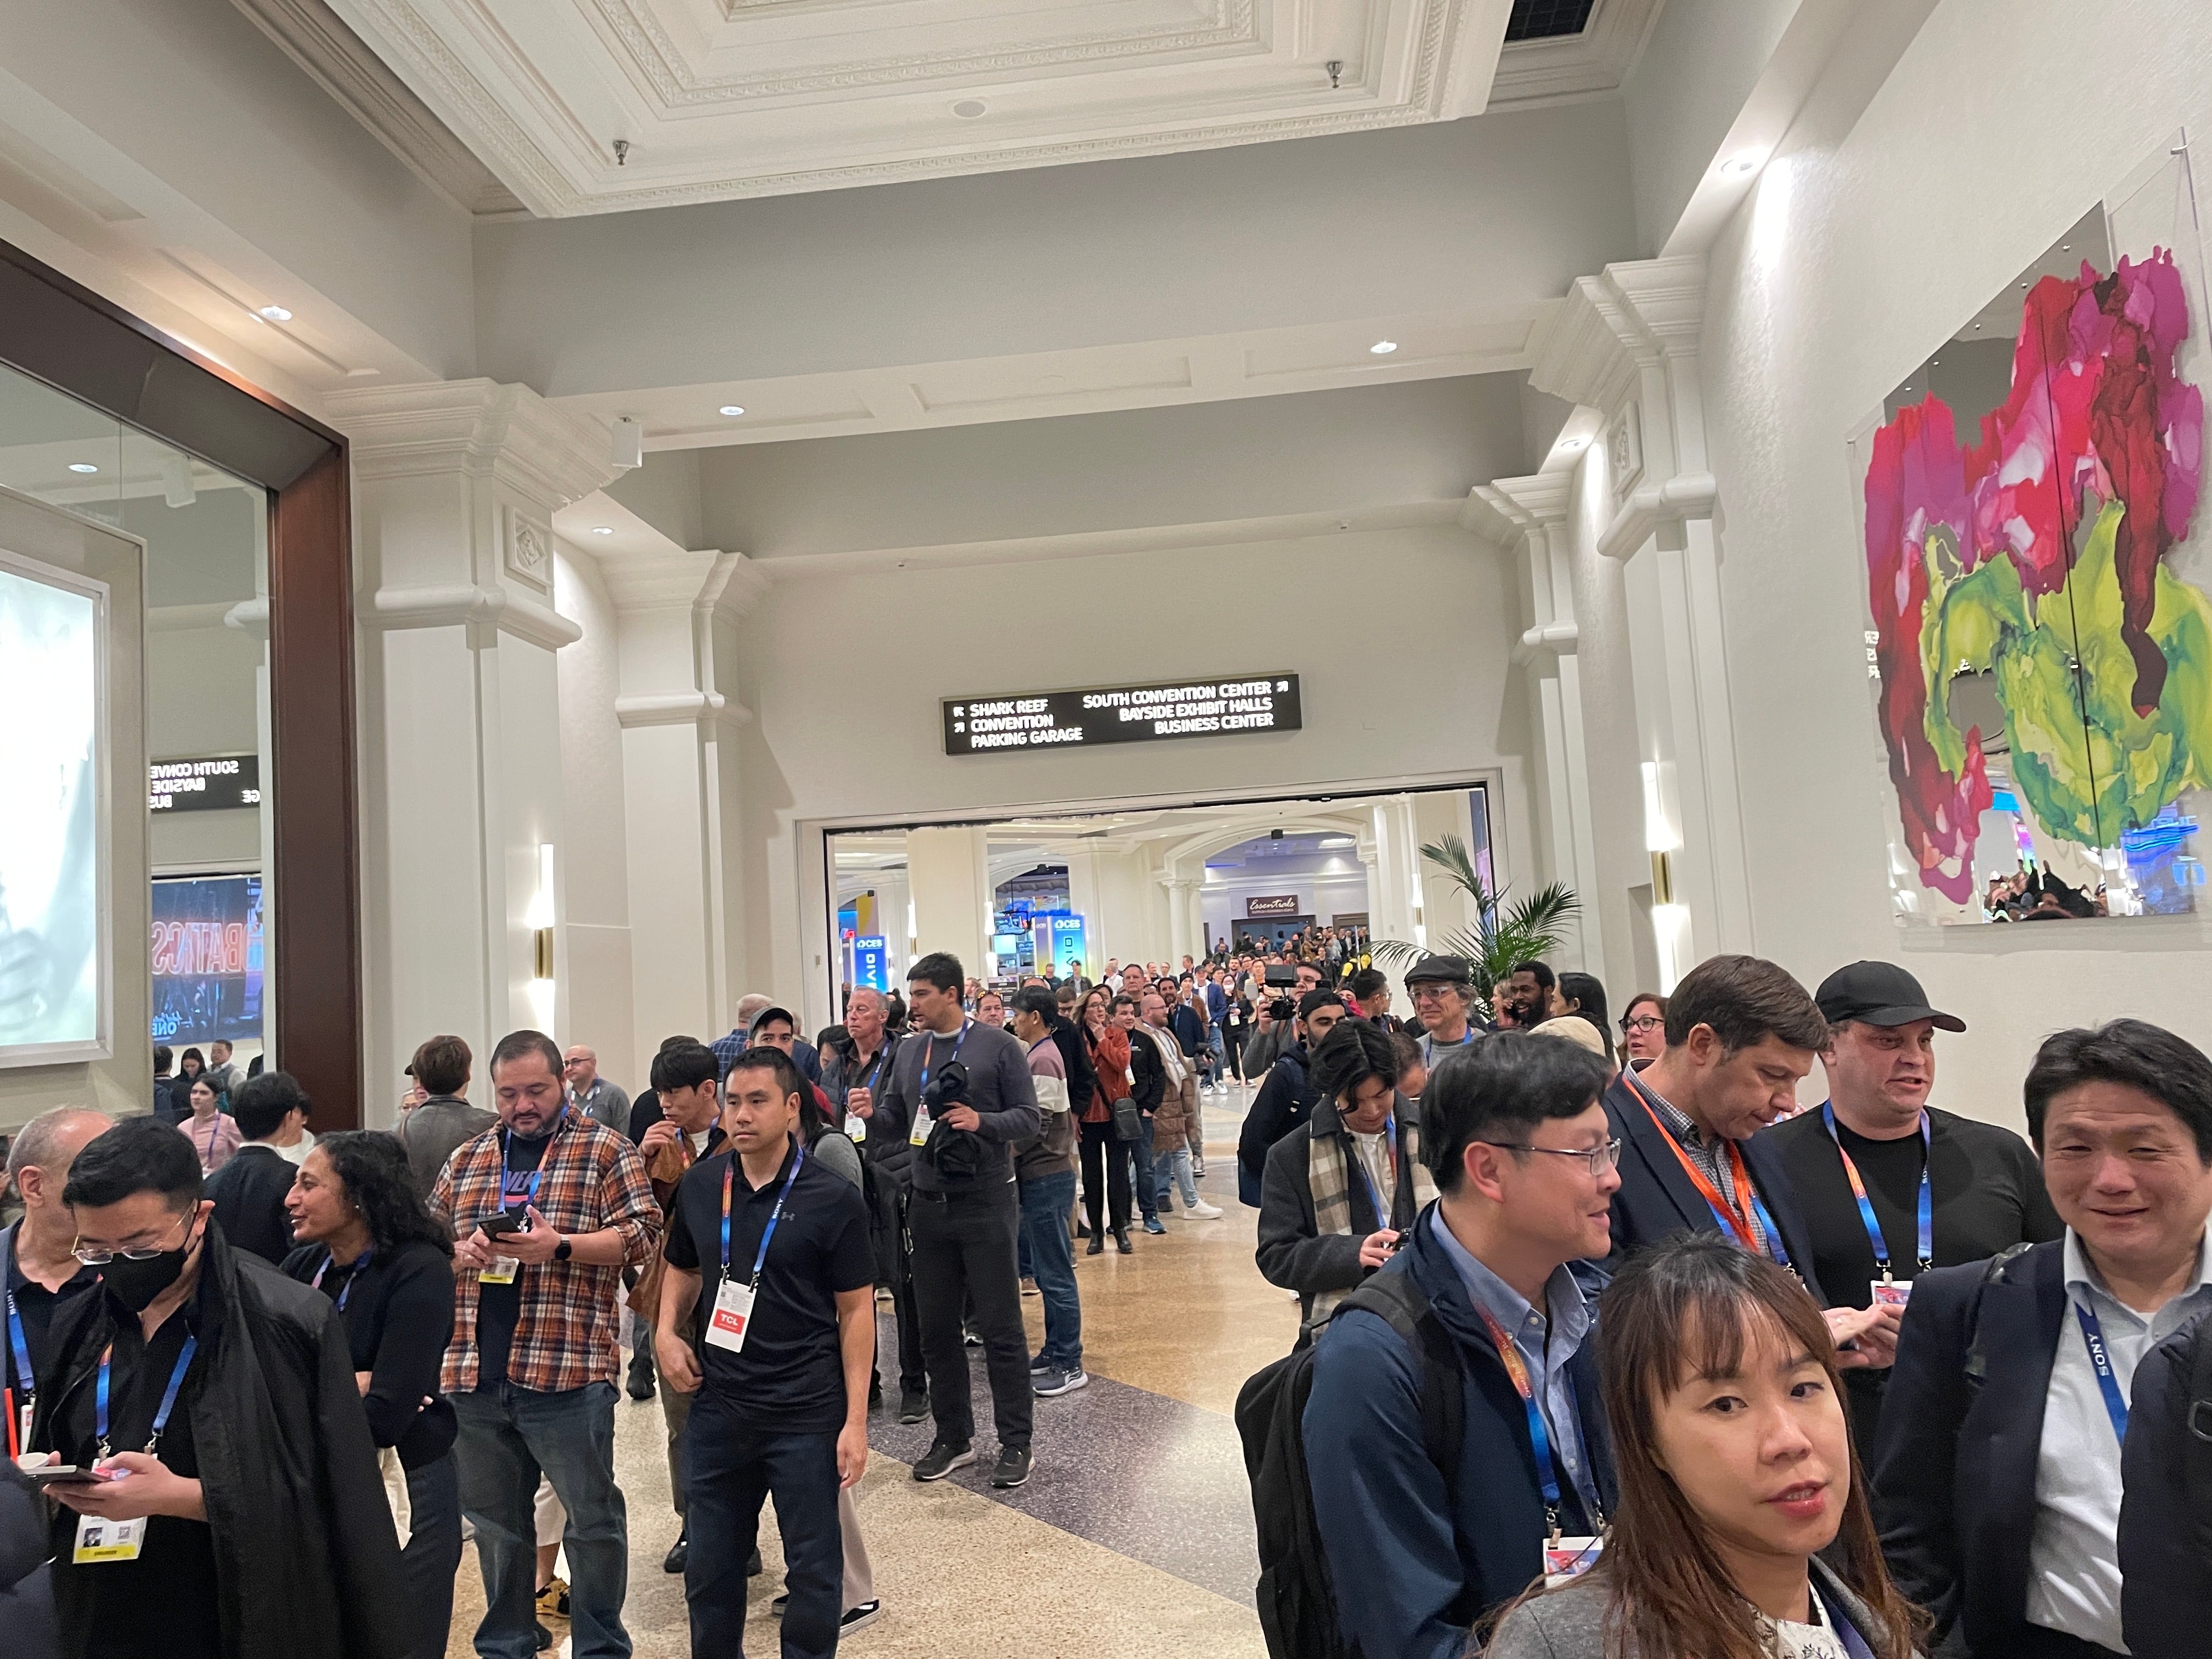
(1012, 1467)
(914, 1405)
(857, 1618)
(679, 1552)
(941, 1459)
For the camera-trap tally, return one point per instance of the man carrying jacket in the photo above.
(1342, 1187)
(1288, 1097)
(244, 1516)
(1523, 1158)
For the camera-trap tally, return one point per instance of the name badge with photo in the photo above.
(503, 1270)
(99, 1539)
(732, 1316)
(1566, 1560)
(1892, 1292)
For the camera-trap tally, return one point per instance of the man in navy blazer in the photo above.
(1997, 1471)
(1741, 1034)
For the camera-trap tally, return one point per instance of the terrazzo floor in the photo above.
(1134, 1534)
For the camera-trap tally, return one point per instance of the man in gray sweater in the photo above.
(965, 1212)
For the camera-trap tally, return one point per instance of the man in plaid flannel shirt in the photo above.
(531, 1367)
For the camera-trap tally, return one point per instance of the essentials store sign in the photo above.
(211, 785)
(1276, 904)
(1122, 713)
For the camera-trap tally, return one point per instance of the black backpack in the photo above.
(1297, 1602)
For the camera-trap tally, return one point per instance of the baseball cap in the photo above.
(1879, 994)
(772, 1013)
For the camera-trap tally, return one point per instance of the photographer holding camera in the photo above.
(959, 1093)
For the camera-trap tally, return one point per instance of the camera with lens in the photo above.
(948, 1088)
(1283, 1010)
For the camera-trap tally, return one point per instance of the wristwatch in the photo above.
(564, 1249)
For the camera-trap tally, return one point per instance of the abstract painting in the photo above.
(2043, 673)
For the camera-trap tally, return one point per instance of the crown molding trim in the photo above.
(550, 455)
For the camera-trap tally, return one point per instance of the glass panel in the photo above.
(211, 791)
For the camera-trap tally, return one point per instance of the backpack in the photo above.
(1297, 1603)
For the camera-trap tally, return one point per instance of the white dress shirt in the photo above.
(2074, 1558)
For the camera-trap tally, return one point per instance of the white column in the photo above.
(949, 874)
(455, 484)
(1178, 918)
(679, 776)
(1395, 881)
(1534, 511)
(1627, 343)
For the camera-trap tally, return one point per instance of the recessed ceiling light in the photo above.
(277, 314)
(83, 466)
(969, 108)
(1741, 167)
(734, 409)
(1384, 347)
(602, 530)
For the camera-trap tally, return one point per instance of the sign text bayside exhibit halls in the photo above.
(1122, 713)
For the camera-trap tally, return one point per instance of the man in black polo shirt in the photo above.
(772, 1251)
(1943, 1188)
(964, 1213)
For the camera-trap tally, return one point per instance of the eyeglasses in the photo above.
(1642, 1022)
(1600, 1159)
(96, 1257)
(1429, 990)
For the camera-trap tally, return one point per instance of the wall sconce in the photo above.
(541, 917)
(1662, 878)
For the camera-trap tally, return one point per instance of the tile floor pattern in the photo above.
(1135, 1532)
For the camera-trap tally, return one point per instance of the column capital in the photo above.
(548, 456)
(1632, 315)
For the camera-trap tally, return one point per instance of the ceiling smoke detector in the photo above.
(969, 108)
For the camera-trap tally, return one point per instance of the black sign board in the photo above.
(1279, 904)
(211, 785)
(1122, 713)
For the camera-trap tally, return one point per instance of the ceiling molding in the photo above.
(542, 103)
(314, 36)
(1597, 61)
(550, 455)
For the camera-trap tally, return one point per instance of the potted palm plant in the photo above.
(1499, 941)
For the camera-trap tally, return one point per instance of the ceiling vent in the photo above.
(1547, 19)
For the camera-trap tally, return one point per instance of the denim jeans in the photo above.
(1140, 1149)
(730, 1468)
(433, 1554)
(1045, 1204)
(508, 1435)
(1173, 1169)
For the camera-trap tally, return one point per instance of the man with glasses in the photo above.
(1342, 1189)
(1442, 990)
(239, 1508)
(1524, 1162)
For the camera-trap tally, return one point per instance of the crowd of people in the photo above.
(1604, 1344)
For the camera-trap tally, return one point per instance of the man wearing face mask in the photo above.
(239, 1510)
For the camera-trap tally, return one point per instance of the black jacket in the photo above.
(1151, 1084)
(1657, 1200)
(1284, 1101)
(1188, 1025)
(1954, 1466)
(249, 1200)
(27, 1588)
(886, 1146)
(306, 1560)
(1075, 1058)
(1291, 1253)
(2165, 1538)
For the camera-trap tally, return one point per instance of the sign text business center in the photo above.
(1133, 713)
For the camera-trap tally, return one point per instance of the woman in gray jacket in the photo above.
(1736, 1471)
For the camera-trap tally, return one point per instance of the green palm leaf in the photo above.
(1530, 929)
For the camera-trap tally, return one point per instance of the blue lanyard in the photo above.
(26, 1384)
(2100, 1361)
(729, 1183)
(168, 1395)
(1840, 1621)
(1927, 1225)
(929, 1053)
(1539, 1436)
(360, 1266)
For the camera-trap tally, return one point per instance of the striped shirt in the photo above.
(565, 1336)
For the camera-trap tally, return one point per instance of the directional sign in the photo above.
(1241, 707)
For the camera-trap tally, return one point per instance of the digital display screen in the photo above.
(50, 688)
(1122, 713)
(217, 783)
(207, 959)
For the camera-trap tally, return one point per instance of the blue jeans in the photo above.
(730, 1468)
(1173, 1169)
(1046, 1202)
(1140, 1149)
(508, 1435)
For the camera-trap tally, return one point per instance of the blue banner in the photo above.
(871, 962)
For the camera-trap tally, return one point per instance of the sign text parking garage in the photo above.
(1122, 713)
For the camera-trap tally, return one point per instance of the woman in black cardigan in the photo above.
(366, 1243)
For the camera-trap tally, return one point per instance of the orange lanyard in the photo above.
(1738, 1217)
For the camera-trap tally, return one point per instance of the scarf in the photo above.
(1328, 1178)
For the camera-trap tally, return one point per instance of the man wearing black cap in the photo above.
(1442, 990)
(1943, 1189)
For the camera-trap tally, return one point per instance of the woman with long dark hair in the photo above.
(1736, 1476)
(366, 1241)
(1105, 1155)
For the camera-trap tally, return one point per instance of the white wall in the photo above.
(1859, 252)
(1385, 627)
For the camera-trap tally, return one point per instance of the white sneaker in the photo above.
(1206, 1212)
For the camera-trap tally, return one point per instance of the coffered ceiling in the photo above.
(593, 105)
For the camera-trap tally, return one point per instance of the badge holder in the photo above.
(733, 1314)
(1566, 1560)
(922, 1125)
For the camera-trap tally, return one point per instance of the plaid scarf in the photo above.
(1328, 1178)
